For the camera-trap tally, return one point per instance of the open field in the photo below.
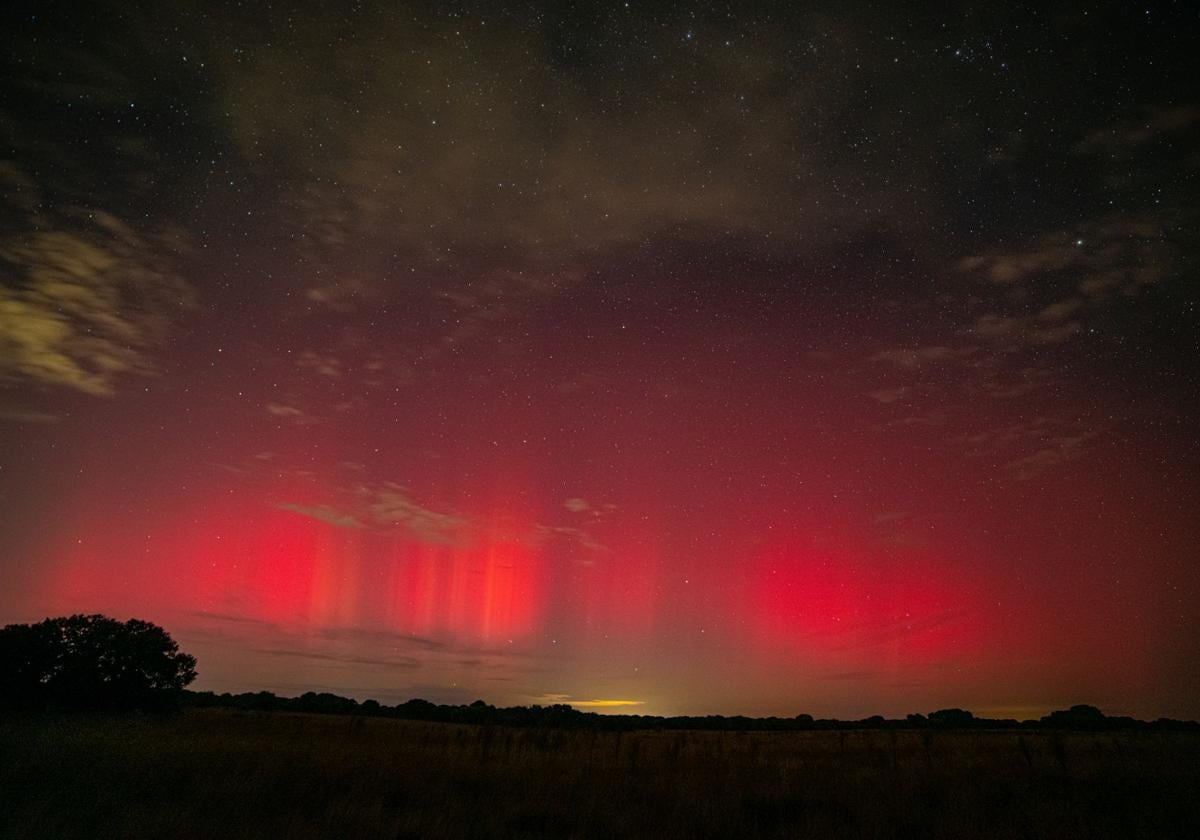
(222, 773)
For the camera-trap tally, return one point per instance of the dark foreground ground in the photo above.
(219, 773)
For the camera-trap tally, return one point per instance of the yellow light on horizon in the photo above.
(605, 704)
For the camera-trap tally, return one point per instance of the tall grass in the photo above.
(221, 773)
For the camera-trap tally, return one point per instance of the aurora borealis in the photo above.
(670, 358)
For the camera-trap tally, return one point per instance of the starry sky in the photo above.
(836, 358)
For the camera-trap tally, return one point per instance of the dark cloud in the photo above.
(383, 637)
(1156, 123)
(875, 633)
(1058, 451)
(342, 658)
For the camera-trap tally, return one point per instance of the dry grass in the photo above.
(220, 773)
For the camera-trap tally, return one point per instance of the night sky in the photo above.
(828, 358)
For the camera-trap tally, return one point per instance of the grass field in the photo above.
(222, 773)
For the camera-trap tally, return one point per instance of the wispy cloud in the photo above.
(870, 634)
(390, 505)
(290, 412)
(917, 357)
(343, 658)
(87, 298)
(323, 513)
(1130, 136)
(387, 506)
(1058, 451)
(20, 415)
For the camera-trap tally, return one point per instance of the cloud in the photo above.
(19, 415)
(231, 617)
(475, 172)
(1131, 136)
(1058, 451)
(576, 536)
(1095, 259)
(870, 634)
(1029, 329)
(390, 505)
(323, 513)
(1018, 384)
(387, 506)
(384, 637)
(1032, 447)
(1063, 282)
(917, 357)
(889, 395)
(290, 412)
(406, 662)
(86, 300)
(1060, 311)
(322, 364)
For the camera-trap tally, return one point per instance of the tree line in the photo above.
(561, 715)
(96, 663)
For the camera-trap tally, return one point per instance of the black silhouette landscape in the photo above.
(100, 738)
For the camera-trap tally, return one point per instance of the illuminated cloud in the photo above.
(17, 415)
(323, 513)
(322, 364)
(388, 506)
(1031, 448)
(290, 412)
(1057, 452)
(889, 395)
(917, 357)
(576, 536)
(86, 301)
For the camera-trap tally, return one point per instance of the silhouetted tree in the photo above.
(91, 662)
(952, 717)
(325, 703)
(1076, 717)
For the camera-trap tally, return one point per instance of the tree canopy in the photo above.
(91, 662)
